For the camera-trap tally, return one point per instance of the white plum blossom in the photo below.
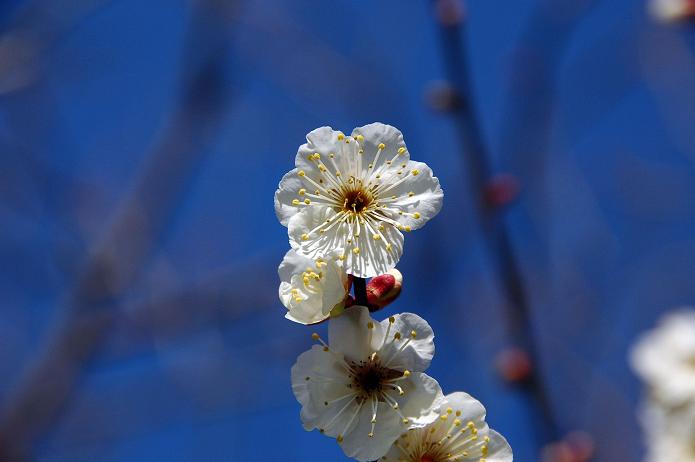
(366, 386)
(358, 193)
(665, 359)
(311, 289)
(459, 434)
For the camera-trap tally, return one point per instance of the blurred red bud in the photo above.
(501, 190)
(450, 12)
(575, 447)
(384, 289)
(349, 301)
(514, 365)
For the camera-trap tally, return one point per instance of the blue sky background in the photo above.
(603, 226)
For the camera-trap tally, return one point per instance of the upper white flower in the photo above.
(356, 193)
(459, 434)
(665, 358)
(366, 386)
(310, 289)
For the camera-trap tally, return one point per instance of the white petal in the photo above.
(471, 409)
(293, 263)
(350, 335)
(305, 234)
(388, 427)
(418, 353)
(423, 397)
(328, 384)
(375, 134)
(498, 448)
(419, 197)
(374, 256)
(285, 194)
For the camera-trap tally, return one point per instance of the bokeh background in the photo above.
(140, 147)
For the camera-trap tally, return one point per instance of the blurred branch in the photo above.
(523, 111)
(32, 33)
(116, 261)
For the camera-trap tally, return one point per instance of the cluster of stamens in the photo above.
(370, 381)
(447, 439)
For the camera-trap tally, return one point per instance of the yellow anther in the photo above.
(411, 194)
(341, 136)
(356, 251)
(342, 257)
(317, 156)
(298, 299)
(382, 146)
(444, 416)
(457, 422)
(325, 348)
(414, 334)
(415, 172)
(359, 138)
(307, 201)
(370, 166)
(331, 155)
(301, 192)
(405, 421)
(397, 335)
(388, 247)
(483, 449)
(376, 237)
(449, 410)
(301, 173)
(378, 177)
(339, 439)
(370, 325)
(370, 434)
(317, 192)
(337, 174)
(416, 215)
(381, 227)
(295, 202)
(347, 140)
(315, 336)
(305, 237)
(401, 150)
(392, 319)
(406, 373)
(458, 413)
(487, 439)
(388, 162)
(322, 168)
(407, 229)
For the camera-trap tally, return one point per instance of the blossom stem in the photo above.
(360, 288)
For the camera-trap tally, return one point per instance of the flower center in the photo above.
(356, 200)
(370, 378)
(427, 458)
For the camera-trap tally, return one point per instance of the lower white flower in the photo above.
(460, 434)
(366, 386)
(311, 289)
(665, 358)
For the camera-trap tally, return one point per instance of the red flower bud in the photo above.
(514, 365)
(384, 289)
